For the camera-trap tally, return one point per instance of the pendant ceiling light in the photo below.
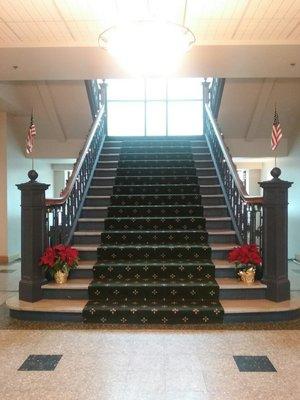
(151, 47)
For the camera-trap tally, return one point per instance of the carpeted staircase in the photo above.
(154, 262)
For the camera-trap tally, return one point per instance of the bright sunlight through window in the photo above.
(155, 107)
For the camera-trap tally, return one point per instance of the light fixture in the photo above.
(151, 47)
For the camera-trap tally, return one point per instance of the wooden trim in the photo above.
(4, 260)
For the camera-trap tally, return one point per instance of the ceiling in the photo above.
(247, 108)
(58, 39)
(40, 23)
(61, 108)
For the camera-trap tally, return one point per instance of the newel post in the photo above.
(275, 237)
(32, 237)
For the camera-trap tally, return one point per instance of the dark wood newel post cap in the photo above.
(32, 175)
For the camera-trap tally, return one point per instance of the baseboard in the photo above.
(9, 259)
(4, 260)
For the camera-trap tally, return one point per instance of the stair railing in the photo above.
(246, 211)
(62, 213)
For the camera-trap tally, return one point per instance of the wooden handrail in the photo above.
(241, 188)
(77, 166)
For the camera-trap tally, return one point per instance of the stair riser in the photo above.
(203, 164)
(220, 254)
(146, 224)
(111, 164)
(218, 224)
(206, 172)
(94, 213)
(104, 173)
(96, 202)
(221, 239)
(188, 272)
(159, 156)
(242, 294)
(88, 273)
(158, 211)
(158, 164)
(156, 200)
(202, 157)
(156, 189)
(91, 255)
(96, 240)
(212, 201)
(156, 171)
(178, 253)
(210, 190)
(153, 238)
(215, 212)
(154, 293)
(90, 226)
(101, 181)
(224, 294)
(147, 317)
(88, 255)
(100, 191)
(108, 150)
(159, 149)
(110, 181)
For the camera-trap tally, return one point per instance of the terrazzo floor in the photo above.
(145, 364)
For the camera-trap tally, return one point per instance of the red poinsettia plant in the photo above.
(59, 258)
(246, 256)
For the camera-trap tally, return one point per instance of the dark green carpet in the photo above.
(154, 263)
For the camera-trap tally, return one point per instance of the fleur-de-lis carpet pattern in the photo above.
(154, 262)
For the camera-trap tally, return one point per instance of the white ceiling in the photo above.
(43, 23)
(58, 39)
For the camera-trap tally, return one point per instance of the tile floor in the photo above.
(144, 364)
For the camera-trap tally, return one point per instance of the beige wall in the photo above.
(3, 197)
(14, 167)
(290, 167)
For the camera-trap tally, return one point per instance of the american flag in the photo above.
(276, 131)
(30, 136)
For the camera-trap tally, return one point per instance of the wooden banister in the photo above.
(77, 166)
(228, 159)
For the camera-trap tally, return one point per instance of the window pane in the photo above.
(156, 118)
(185, 88)
(125, 119)
(156, 89)
(185, 118)
(125, 89)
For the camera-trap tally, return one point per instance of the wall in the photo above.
(3, 198)
(290, 167)
(17, 168)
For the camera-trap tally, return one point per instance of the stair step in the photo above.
(235, 310)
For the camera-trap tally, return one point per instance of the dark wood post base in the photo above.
(275, 237)
(33, 237)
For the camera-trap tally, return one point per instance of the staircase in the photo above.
(154, 263)
(156, 222)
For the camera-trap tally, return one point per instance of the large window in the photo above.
(152, 107)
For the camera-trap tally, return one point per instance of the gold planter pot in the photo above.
(61, 277)
(247, 276)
